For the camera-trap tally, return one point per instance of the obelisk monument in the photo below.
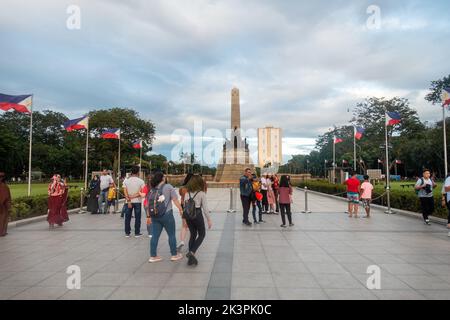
(235, 156)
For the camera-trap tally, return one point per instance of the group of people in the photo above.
(362, 193)
(269, 194)
(58, 191)
(102, 194)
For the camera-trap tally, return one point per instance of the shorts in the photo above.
(353, 197)
(366, 203)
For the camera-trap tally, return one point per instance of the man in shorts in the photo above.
(353, 190)
(366, 195)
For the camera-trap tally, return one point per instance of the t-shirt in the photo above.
(264, 183)
(105, 181)
(447, 184)
(169, 194)
(134, 186)
(422, 193)
(352, 185)
(367, 193)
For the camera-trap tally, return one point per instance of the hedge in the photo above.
(28, 207)
(403, 200)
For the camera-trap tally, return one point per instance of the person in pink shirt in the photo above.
(285, 194)
(366, 195)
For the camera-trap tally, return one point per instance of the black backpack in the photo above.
(155, 207)
(190, 211)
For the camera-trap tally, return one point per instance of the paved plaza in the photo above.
(324, 256)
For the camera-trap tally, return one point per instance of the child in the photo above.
(111, 197)
(256, 198)
(366, 194)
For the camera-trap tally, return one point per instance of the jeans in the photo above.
(137, 215)
(286, 210)
(427, 204)
(103, 198)
(255, 204)
(197, 231)
(167, 222)
(246, 207)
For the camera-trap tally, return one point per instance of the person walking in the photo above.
(447, 200)
(366, 194)
(160, 212)
(5, 205)
(285, 191)
(353, 190)
(184, 227)
(55, 199)
(105, 181)
(424, 190)
(264, 187)
(93, 194)
(195, 207)
(275, 187)
(271, 196)
(256, 198)
(132, 187)
(246, 189)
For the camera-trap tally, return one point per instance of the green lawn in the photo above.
(396, 185)
(21, 190)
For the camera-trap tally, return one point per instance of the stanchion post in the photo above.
(306, 201)
(232, 208)
(81, 200)
(116, 204)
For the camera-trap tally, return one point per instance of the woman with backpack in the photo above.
(195, 207)
(160, 213)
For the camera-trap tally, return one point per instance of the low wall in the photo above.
(178, 179)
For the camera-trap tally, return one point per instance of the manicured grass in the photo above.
(396, 186)
(21, 190)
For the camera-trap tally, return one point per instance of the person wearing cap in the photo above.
(5, 205)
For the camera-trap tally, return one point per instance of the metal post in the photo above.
(306, 201)
(354, 149)
(81, 201)
(445, 141)
(31, 146)
(232, 208)
(388, 187)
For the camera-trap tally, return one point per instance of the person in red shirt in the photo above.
(353, 190)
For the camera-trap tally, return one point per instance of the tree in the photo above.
(434, 96)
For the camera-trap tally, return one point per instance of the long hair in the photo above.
(284, 181)
(195, 184)
(156, 179)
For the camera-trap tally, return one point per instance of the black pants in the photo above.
(286, 210)
(427, 205)
(448, 210)
(246, 207)
(265, 202)
(137, 215)
(197, 231)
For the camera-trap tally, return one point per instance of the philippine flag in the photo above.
(398, 161)
(337, 140)
(137, 144)
(77, 124)
(111, 134)
(392, 118)
(359, 132)
(19, 103)
(380, 161)
(445, 97)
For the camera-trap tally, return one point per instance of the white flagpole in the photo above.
(87, 157)
(140, 159)
(354, 148)
(387, 168)
(334, 160)
(31, 146)
(445, 141)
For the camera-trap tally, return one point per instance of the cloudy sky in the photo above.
(299, 65)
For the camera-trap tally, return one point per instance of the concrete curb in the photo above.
(19, 223)
(398, 211)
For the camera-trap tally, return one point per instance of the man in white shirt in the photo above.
(132, 187)
(105, 181)
(264, 187)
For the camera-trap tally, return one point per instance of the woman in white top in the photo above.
(195, 190)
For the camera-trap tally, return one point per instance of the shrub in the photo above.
(403, 200)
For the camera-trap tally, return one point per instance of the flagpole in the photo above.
(354, 148)
(87, 157)
(334, 160)
(118, 168)
(445, 141)
(140, 160)
(31, 146)
(388, 195)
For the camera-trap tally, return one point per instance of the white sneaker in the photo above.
(154, 259)
(127, 236)
(449, 233)
(150, 236)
